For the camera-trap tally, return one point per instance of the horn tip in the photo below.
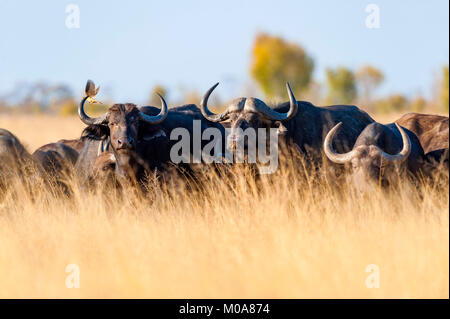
(336, 127)
(162, 99)
(400, 129)
(290, 93)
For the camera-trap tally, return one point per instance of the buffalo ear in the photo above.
(282, 130)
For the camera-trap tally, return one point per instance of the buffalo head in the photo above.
(123, 121)
(244, 113)
(370, 165)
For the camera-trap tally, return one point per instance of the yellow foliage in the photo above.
(368, 78)
(154, 98)
(418, 104)
(341, 86)
(393, 103)
(275, 62)
(444, 89)
(68, 108)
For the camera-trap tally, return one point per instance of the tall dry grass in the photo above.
(283, 236)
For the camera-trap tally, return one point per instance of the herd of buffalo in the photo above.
(128, 142)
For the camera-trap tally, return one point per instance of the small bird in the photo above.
(91, 92)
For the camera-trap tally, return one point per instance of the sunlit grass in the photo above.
(293, 235)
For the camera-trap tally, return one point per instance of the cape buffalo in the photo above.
(16, 162)
(13, 155)
(49, 165)
(432, 131)
(76, 144)
(57, 159)
(139, 138)
(104, 165)
(130, 134)
(380, 154)
(299, 123)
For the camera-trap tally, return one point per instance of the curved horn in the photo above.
(276, 116)
(91, 92)
(156, 119)
(329, 150)
(404, 153)
(210, 116)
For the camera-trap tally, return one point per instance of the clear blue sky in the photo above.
(129, 46)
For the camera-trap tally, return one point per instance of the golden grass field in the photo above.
(285, 237)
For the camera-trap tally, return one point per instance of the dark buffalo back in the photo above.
(184, 117)
(311, 124)
(432, 130)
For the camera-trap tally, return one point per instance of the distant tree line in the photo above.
(42, 97)
(273, 62)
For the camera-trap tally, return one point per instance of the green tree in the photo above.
(341, 86)
(275, 62)
(392, 103)
(444, 89)
(418, 104)
(368, 79)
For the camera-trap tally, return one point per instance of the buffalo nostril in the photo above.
(124, 143)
